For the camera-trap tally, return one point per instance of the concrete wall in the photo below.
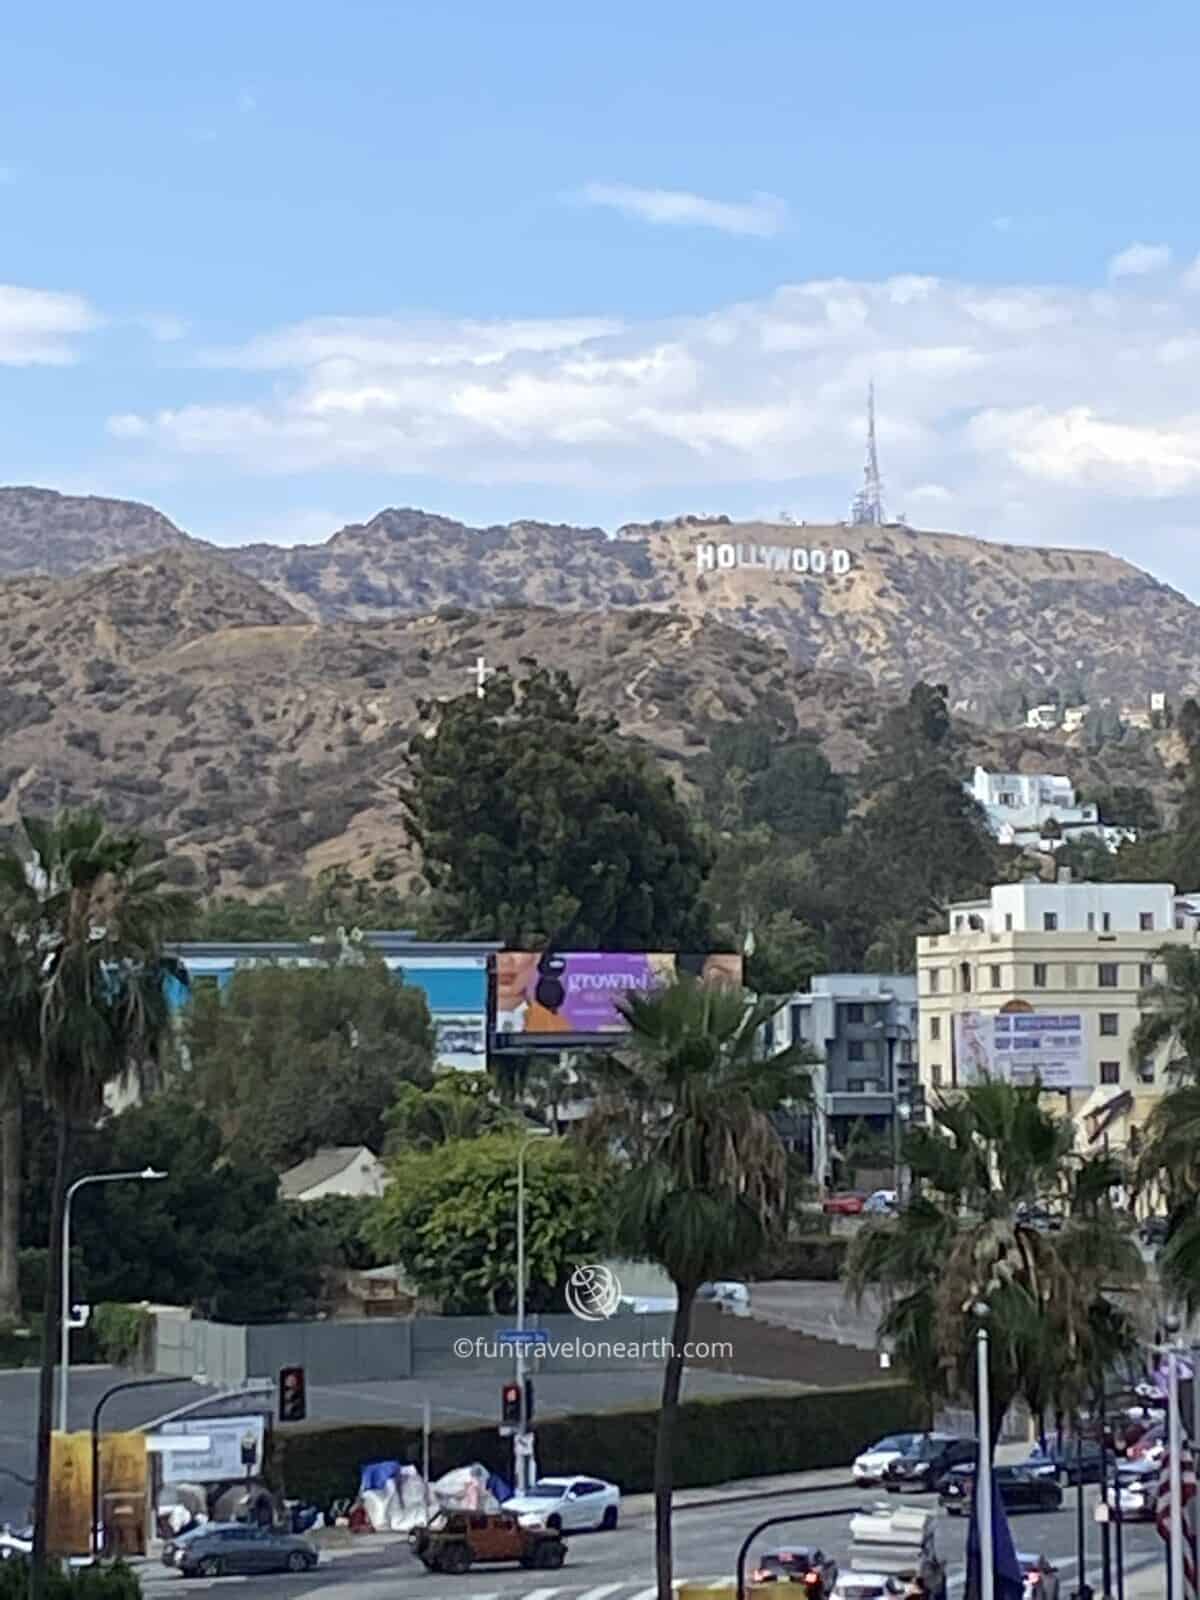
(185, 1347)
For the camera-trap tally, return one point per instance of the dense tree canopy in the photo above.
(535, 822)
(288, 1059)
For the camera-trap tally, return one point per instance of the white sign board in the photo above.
(1020, 1046)
(218, 1449)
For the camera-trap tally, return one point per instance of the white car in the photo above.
(868, 1467)
(1135, 1492)
(866, 1586)
(880, 1204)
(568, 1503)
(730, 1296)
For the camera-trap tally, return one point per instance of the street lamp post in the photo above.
(146, 1175)
(520, 1460)
(983, 1475)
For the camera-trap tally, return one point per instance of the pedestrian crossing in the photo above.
(629, 1589)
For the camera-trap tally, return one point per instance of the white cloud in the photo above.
(40, 327)
(762, 216)
(246, 102)
(1051, 414)
(1138, 260)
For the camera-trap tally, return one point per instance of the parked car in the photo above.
(1039, 1218)
(730, 1296)
(867, 1586)
(1134, 1492)
(880, 1204)
(1069, 1462)
(453, 1541)
(1153, 1232)
(1041, 1577)
(850, 1203)
(568, 1503)
(221, 1548)
(926, 1467)
(796, 1563)
(868, 1467)
(1149, 1445)
(1020, 1489)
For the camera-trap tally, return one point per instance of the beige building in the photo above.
(1046, 978)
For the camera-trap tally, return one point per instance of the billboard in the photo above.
(70, 1518)
(220, 1455)
(1020, 1046)
(558, 997)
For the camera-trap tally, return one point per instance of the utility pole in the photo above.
(983, 1474)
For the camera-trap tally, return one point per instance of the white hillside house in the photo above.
(1020, 805)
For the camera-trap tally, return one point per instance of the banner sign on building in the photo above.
(556, 997)
(68, 1531)
(1021, 1046)
(220, 1456)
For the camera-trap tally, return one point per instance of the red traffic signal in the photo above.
(293, 1404)
(510, 1405)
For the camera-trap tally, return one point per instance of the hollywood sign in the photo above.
(772, 558)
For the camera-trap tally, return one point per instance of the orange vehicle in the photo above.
(455, 1540)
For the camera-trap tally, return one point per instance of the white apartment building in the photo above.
(1018, 805)
(1047, 978)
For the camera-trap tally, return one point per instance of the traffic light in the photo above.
(510, 1405)
(293, 1406)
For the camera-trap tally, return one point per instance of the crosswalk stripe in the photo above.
(541, 1594)
(646, 1594)
(599, 1593)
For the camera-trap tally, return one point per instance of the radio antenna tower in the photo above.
(866, 510)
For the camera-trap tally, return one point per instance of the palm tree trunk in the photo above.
(10, 1203)
(50, 1333)
(664, 1443)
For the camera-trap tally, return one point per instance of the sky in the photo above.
(274, 267)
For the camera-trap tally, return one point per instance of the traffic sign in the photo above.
(525, 1336)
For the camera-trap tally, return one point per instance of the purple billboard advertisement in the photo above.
(551, 996)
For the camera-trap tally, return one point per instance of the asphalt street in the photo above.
(619, 1565)
(457, 1403)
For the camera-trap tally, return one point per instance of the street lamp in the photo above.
(520, 1461)
(146, 1175)
(983, 1474)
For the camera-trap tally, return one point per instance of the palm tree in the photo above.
(18, 1048)
(79, 898)
(705, 1176)
(1171, 1007)
(993, 1156)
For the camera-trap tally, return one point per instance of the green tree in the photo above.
(1171, 1013)
(19, 1022)
(754, 775)
(704, 1184)
(81, 900)
(455, 1107)
(289, 1059)
(1128, 805)
(786, 953)
(213, 1234)
(535, 822)
(449, 1218)
(967, 1236)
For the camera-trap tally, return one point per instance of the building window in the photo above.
(964, 974)
(797, 1024)
(1091, 922)
(1039, 975)
(855, 1051)
(1050, 921)
(1146, 921)
(935, 979)
(1106, 921)
(1110, 1024)
(1108, 974)
(935, 1027)
(1008, 922)
(856, 1085)
(854, 1013)
(936, 1075)
(995, 977)
(1110, 1072)
(1145, 975)
(1145, 1071)
(1070, 975)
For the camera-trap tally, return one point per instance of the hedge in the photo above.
(718, 1440)
(816, 1259)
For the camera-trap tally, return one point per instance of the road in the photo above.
(466, 1400)
(619, 1565)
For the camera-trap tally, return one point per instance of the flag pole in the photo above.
(1175, 1446)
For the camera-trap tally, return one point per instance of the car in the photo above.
(221, 1548)
(880, 1204)
(453, 1541)
(568, 1503)
(1020, 1488)
(1069, 1462)
(1149, 1445)
(1039, 1218)
(796, 1563)
(866, 1586)
(1041, 1577)
(730, 1296)
(849, 1203)
(925, 1468)
(1153, 1232)
(868, 1467)
(1134, 1492)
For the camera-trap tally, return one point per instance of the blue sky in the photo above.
(273, 267)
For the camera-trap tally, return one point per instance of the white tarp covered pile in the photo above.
(395, 1500)
(892, 1541)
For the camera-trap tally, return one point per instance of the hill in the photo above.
(262, 745)
(58, 534)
